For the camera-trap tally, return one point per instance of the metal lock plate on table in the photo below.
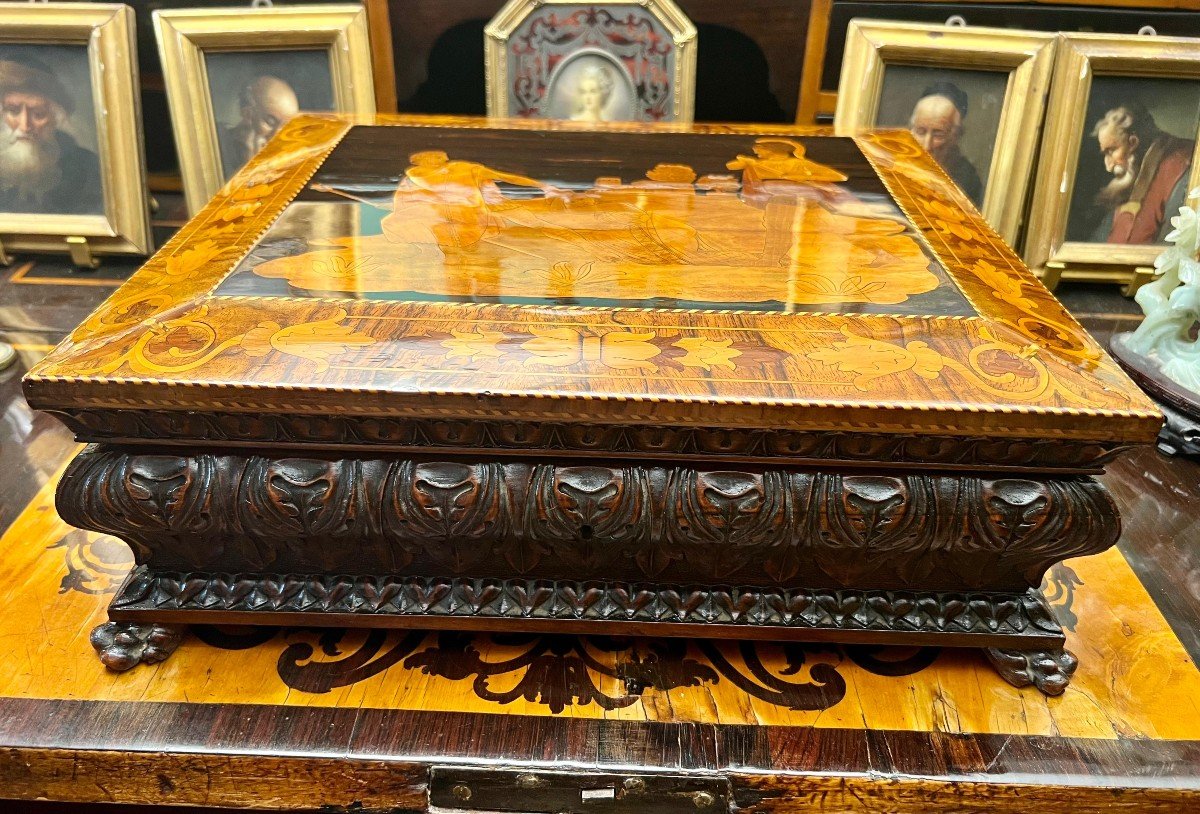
(575, 792)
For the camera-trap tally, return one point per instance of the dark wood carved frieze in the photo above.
(509, 519)
(511, 437)
(1017, 617)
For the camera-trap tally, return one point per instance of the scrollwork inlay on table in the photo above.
(561, 672)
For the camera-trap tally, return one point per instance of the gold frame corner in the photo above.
(185, 35)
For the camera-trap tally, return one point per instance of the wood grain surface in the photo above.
(170, 340)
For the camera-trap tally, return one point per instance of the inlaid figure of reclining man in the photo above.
(460, 227)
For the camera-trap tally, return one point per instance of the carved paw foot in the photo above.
(1048, 670)
(123, 645)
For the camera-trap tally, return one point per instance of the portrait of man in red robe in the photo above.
(1150, 169)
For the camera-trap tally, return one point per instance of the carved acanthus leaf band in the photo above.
(677, 525)
(783, 446)
(900, 611)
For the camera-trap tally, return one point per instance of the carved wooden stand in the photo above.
(397, 541)
(1180, 434)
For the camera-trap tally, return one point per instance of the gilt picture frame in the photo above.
(234, 75)
(981, 91)
(72, 166)
(1095, 77)
(566, 59)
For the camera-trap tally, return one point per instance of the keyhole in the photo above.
(585, 531)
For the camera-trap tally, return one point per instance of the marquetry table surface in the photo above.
(715, 277)
(338, 717)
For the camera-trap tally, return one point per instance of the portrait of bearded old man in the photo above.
(265, 103)
(1149, 169)
(43, 169)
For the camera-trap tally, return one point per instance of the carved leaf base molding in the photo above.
(866, 617)
(1018, 630)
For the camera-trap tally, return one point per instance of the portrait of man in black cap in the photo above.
(937, 122)
(43, 169)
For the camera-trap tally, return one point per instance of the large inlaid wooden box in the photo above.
(707, 381)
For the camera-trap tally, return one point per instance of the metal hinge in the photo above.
(542, 792)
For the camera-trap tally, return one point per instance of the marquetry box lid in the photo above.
(753, 292)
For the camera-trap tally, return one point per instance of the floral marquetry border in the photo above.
(211, 244)
(1025, 358)
(987, 270)
(482, 360)
(617, 350)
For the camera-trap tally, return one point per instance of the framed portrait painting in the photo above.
(234, 76)
(624, 60)
(972, 97)
(1119, 156)
(72, 168)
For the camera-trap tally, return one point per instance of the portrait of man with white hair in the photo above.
(266, 103)
(255, 93)
(43, 168)
(1149, 169)
(938, 122)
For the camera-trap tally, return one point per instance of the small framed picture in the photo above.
(72, 169)
(235, 75)
(624, 60)
(972, 97)
(1118, 156)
